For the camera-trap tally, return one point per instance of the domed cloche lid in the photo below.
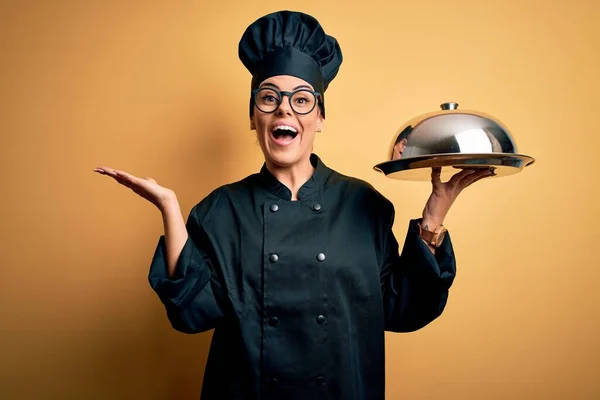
(452, 139)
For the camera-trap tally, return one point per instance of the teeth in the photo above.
(285, 128)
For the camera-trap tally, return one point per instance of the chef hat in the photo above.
(290, 43)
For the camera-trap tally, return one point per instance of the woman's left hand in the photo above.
(444, 193)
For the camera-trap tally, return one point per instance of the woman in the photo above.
(296, 267)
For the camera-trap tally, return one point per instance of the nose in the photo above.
(284, 108)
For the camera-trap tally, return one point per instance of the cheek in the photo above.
(309, 132)
(310, 123)
(259, 124)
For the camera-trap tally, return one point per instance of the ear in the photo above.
(320, 122)
(252, 125)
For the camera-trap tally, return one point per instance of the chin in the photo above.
(285, 157)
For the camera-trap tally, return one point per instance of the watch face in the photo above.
(440, 238)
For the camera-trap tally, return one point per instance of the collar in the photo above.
(314, 183)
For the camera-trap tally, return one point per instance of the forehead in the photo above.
(286, 82)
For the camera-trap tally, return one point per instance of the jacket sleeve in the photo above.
(416, 283)
(193, 297)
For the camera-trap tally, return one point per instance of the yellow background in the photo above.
(156, 88)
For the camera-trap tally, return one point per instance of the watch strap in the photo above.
(431, 237)
(425, 234)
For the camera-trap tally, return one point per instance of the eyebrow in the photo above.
(277, 87)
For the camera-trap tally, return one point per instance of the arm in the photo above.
(415, 284)
(175, 233)
(183, 272)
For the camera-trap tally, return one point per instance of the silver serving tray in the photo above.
(420, 168)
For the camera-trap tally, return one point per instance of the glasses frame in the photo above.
(289, 95)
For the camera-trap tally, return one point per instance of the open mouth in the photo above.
(284, 134)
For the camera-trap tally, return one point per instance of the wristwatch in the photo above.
(434, 238)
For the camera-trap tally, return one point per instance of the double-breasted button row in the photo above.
(274, 257)
(274, 321)
(275, 207)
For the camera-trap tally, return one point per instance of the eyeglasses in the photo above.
(302, 101)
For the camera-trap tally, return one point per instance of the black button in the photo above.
(274, 207)
(320, 257)
(319, 381)
(320, 319)
(274, 258)
(317, 207)
(273, 321)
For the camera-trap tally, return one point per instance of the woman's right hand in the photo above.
(145, 187)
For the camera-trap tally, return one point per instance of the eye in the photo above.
(267, 98)
(301, 100)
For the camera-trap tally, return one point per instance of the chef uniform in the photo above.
(299, 293)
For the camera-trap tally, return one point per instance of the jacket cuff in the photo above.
(442, 263)
(191, 273)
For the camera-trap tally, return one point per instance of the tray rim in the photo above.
(404, 163)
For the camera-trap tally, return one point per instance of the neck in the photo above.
(294, 176)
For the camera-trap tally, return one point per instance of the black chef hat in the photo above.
(290, 43)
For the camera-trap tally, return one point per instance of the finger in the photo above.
(122, 174)
(436, 173)
(128, 177)
(476, 177)
(105, 171)
(136, 184)
(101, 170)
(456, 178)
(124, 181)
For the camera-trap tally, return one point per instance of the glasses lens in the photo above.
(303, 101)
(267, 100)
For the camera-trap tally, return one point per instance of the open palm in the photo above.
(147, 188)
